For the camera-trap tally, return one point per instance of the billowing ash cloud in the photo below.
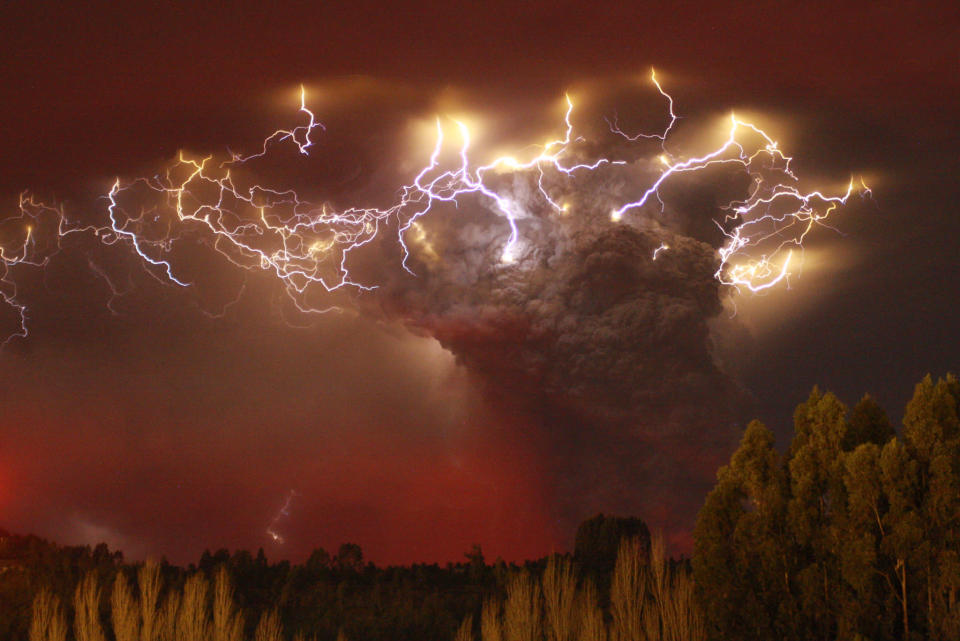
(607, 346)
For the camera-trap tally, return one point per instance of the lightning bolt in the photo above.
(283, 513)
(271, 229)
(27, 226)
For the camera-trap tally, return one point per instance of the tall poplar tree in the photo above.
(932, 435)
(868, 604)
(742, 557)
(817, 497)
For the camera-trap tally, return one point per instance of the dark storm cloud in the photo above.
(609, 348)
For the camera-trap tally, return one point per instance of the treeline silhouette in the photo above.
(328, 597)
(852, 533)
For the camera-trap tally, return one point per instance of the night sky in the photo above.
(424, 418)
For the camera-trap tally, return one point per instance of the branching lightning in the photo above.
(272, 529)
(306, 246)
(29, 247)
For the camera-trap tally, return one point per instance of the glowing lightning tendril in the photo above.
(284, 512)
(259, 227)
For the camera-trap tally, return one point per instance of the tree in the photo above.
(86, 623)
(598, 542)
(319, 560)
(865, 570)
(764, 543)
(193, 617)
(477, 563)
(817, 497)
(932, 435)
(903, 537)
(349, 557)
(742, 557)
(868, 424)
(227, 622)
(523, 609)
(269, 628)
(124, 610)
(720, 584)
(559, 586)
(48, 622)
(148, 579)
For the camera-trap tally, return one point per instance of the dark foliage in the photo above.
(322, 596)
(853, 533)
(598, 541)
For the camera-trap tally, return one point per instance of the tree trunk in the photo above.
(826, 606)
(903, 597)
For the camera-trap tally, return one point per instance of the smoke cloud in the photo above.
(604, 345)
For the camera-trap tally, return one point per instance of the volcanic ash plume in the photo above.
(598, 330)
(576, 278)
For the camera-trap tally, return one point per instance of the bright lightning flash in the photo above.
(284, 512)
(261, 227)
